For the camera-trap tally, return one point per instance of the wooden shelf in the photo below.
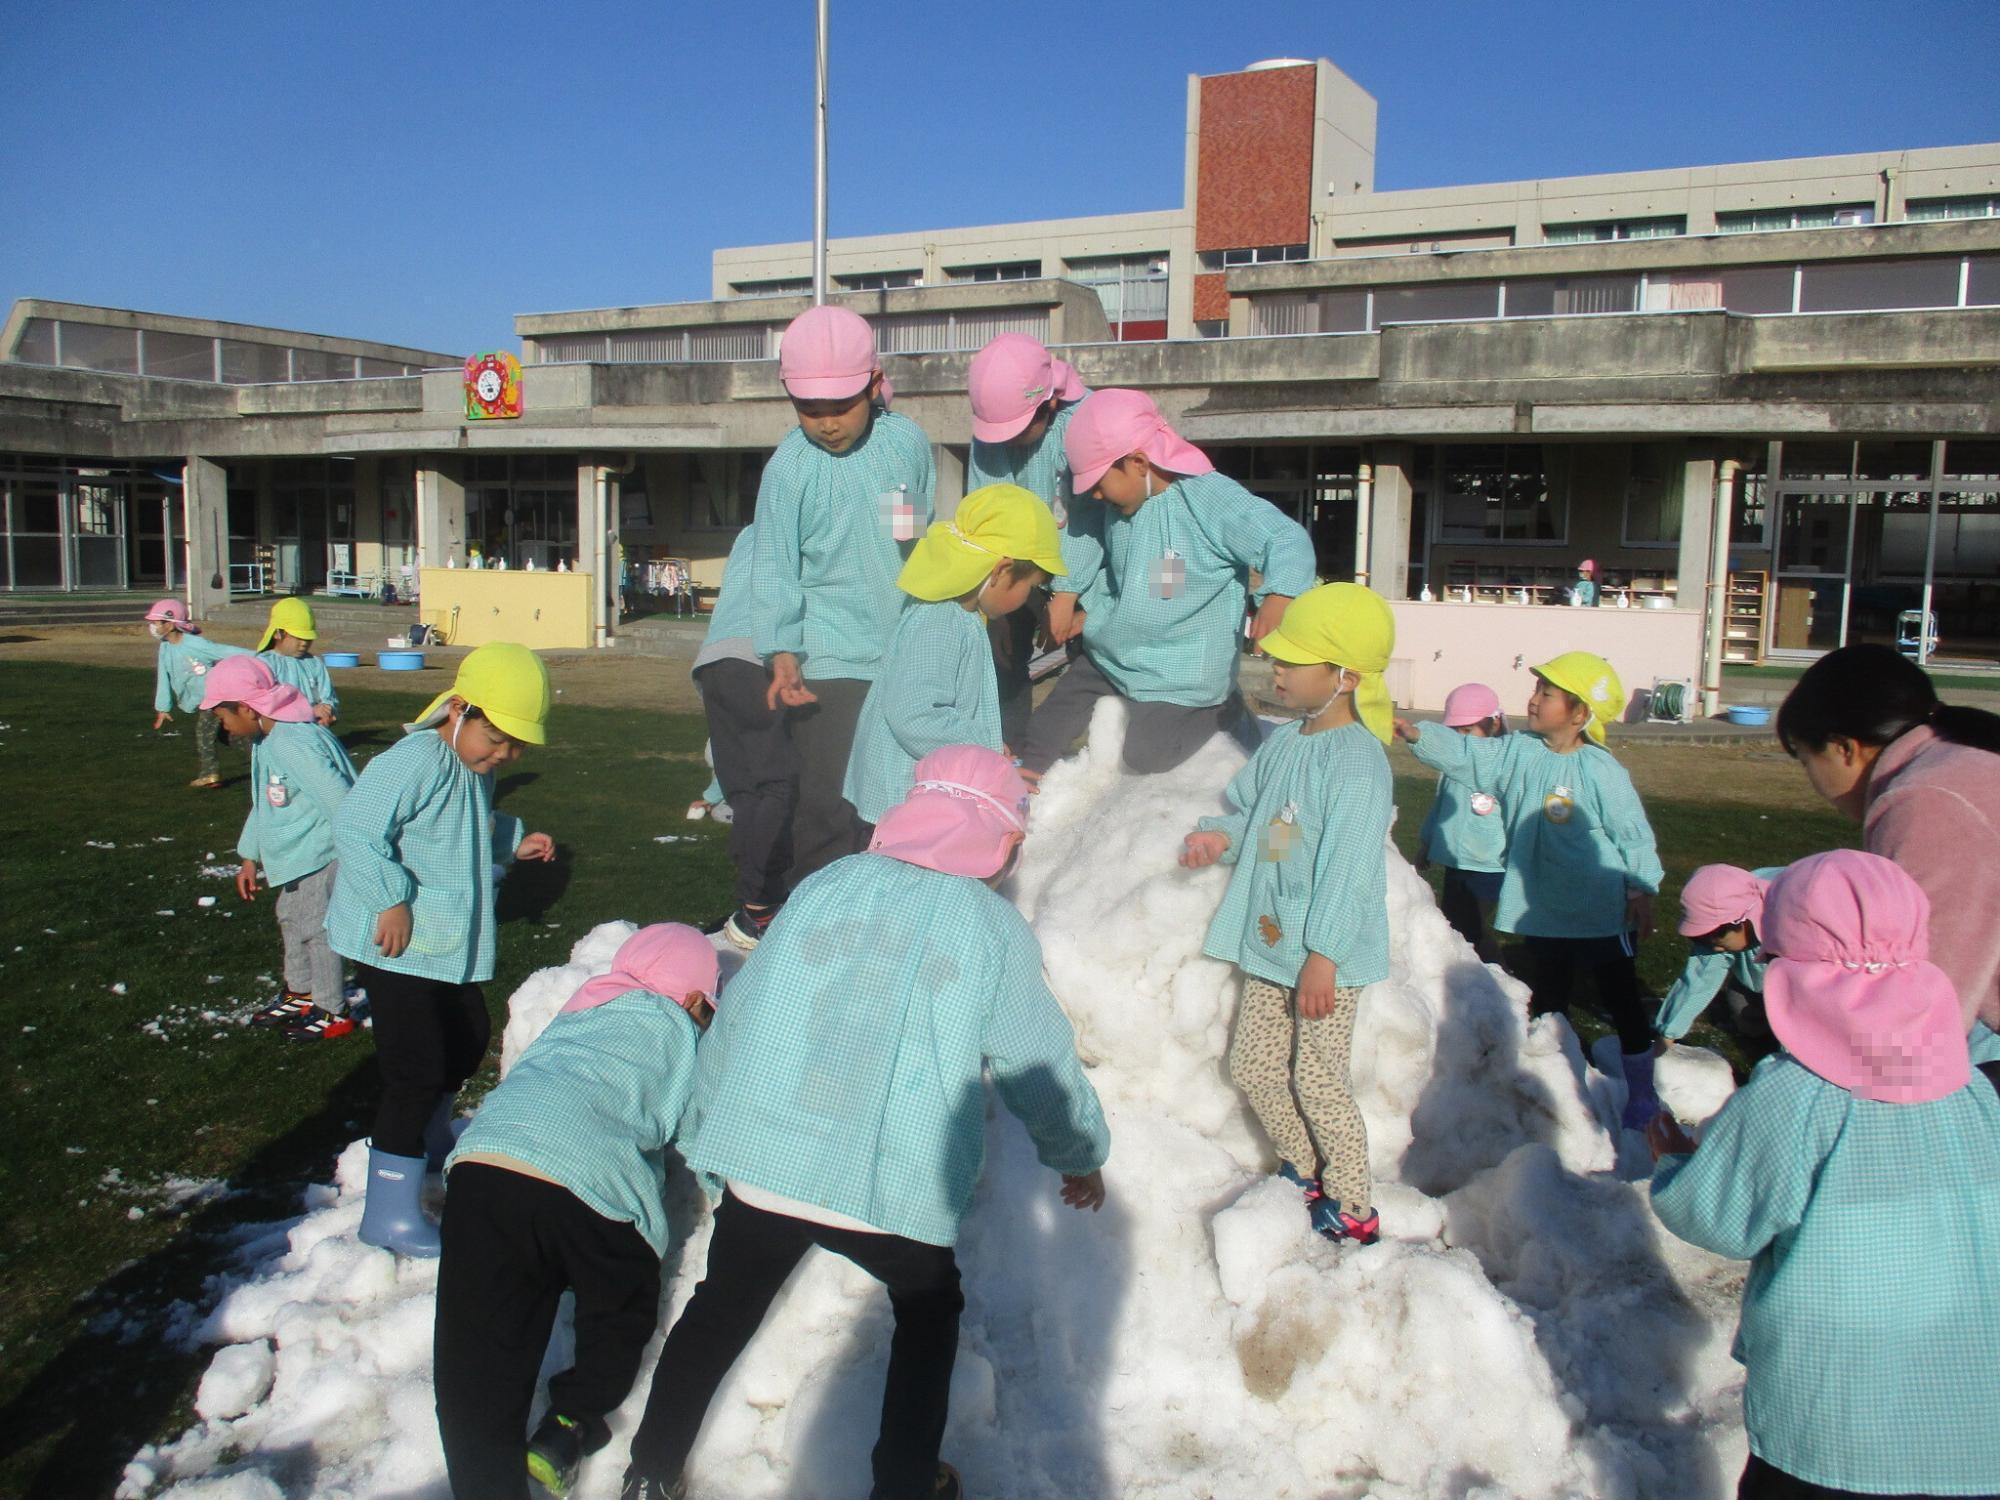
(1745, 604)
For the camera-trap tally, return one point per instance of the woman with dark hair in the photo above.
(1923, 780)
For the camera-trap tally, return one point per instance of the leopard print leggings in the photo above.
(1272, 1059)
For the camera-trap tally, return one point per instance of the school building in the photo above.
(1764, 397)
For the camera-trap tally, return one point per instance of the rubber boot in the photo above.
(1641, 1103)
(439, 1137)
(394, 1216)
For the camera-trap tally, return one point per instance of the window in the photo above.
(1982, 280)
(1496, 493)
(1747, 525)
(92, 346)
(1561, 296)
(1013, 270)
(1829, 216)
(179, 355)
(879, 281)
(1653, 489)
(1853, 286)
(37, 345)
(1613, 229)
(1261, 255)
(1976, 207)
(1740, 289)
(253, 364)
(1211, 328)
(1425, 244)
(784, 286)
(316, 364)
(1444, 302)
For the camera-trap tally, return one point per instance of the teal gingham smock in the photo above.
(306, 673)
(1577, 837)
(1043, 470)
(937, 688)
(823, 581)
(728, 632)
(1312, 813)
(310, 770)
(419, 827)
(593, 1103)
(180, 674)
(1456, 837)
(1184, 648)
(1702, 979)
(844, 1067)
(1871, 1316)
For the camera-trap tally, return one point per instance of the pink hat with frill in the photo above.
(1470, 703)
(1111, 424)
(964, 808)
(828, 354)
(1010, 380)
(1721, 896)
(670, 959)
(246, 680)
(170, 612)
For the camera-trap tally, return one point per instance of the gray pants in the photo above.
(205, 726)
(311, 965)
(1158, 736)
(824, 824)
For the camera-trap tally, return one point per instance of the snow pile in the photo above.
(1524, 1328)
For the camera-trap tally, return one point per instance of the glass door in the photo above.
(1815, 544)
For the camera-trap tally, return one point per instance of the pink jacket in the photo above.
(1934, 808)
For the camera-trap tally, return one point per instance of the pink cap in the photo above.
(966, 804)
(828, 353)
(1850, 990)
(1720, 896)
(246, 680)
(168, 611)
(1010, 380)
(1110, 424)
(668, 958)
(1470, 703)
(1588, 565)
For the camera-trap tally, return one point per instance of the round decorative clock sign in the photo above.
(492, 386)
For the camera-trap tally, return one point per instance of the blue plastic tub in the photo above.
(400, 661)
(341, 658)
(1744, 713)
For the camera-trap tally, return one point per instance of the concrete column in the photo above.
(205, 493)
(1697, 530)
(950, 480)
(596, 501)
(1389, 528)
(440, 518)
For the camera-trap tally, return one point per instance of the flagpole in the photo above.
(819, 164)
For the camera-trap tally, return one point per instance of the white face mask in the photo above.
(1340, 685)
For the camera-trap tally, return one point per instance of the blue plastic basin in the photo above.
(1744, 713)
(400, 661)
(341, 658)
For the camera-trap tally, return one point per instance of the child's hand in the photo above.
(323, 715)
(1200, 850)
(1639, 913)
(1316, 987)
(1269, 613)
(1033, 779)
(392, 930)
(788, 685)
(1086, 1191)
(159, 719)
(1064, 621)
(1666, 1138)
(1405, 730)
(246, 880)
(536, 846)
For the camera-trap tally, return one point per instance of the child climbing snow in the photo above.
(1858, 1171)
(1582, 868)
(938, 685)
(1305, 916)
(184, 657)
(559, 1184)
(1720, 909)
(418, 842)
(1465, 834)
(299, 776)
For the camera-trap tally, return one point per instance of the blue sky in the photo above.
(420, 172)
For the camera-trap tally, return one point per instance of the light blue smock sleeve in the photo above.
(163, 685)
(931, 700)
(1752, 1176)
(1255, 534)
(1477, 764)
(1241, 795)
(1699, 983)
(364, 839)
(1625, 824)
(778, 596)
(1031, 1052)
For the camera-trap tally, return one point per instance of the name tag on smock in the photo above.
(277, 792)
(1484, 803)
(1169, 576)
(899, 514)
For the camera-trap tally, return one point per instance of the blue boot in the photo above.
(439, 1137)
(1641, 1103)
(394, 1215)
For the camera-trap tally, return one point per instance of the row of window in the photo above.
(184, 356)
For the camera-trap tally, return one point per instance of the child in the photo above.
(1306, 914)
(1165, 601)
(287, 650)
(1582, 868)
(1466, 834)
(750, 740)
(1858, 1171)
(1022, 399)
(1720, 908)
(185, 655)
(559, 1183)
(299, 776)
(1584, 593)
(418, 841)
(840, 1102)
(840, 505)
(938, 684)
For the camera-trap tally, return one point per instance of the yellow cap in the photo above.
(1588, 676)
(294, 617)
(996, 521)
(1345, 625)
(508, 685)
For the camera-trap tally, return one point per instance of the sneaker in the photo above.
(697, 810)
(947, 1485)
(208, 782)
(643, 1487)
(746, 928)
(320, 1026)
(290, 1009)
(1308, 1189)
(555, 1453)
(1329, 1219)
(721, 812)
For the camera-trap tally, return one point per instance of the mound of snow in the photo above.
(1525, 1328)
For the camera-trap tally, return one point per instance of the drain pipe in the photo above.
(1364, 508)
(1718, 585)
(601, 548)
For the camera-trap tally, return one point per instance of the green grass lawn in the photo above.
(146, 1126)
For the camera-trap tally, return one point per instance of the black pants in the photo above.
(512, 1245)
(1462, 907)
(1158, 736)
(1554, 962)
(823, 827)
(752, 745)
(1013, 638)
(429, 1038)
(750, 1257)
(1761, 1481)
